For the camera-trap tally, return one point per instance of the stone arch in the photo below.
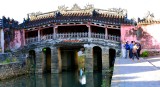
(97, 58)
(32, 60)
(112, 55)
(69, 58)
(46, 62)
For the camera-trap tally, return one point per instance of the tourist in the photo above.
(131, 48)
(134, 51)
(123, 49)
(139, 48)
(127, 47)
(82, 78)
(81, 72)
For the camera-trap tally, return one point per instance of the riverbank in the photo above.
(11, 70)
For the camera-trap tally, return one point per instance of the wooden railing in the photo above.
(32, 39)
(98, 35)
(73, 35)
(46, 37)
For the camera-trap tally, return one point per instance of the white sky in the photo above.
(18, 9)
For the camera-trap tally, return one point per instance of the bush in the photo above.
(145, 54)
(7, 61)
(14, 59)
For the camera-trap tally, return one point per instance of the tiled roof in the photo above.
(89, 10)
(76, 14)
(146, 22)
(149, 19)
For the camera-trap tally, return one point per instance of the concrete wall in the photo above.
(17, 42)
(127, 34)
(148, 35)
(12, 70)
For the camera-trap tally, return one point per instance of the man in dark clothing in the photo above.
(127, 47)
(134, 51)
(130, 50)
(139, 49)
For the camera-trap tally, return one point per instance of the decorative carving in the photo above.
(118, 10)
(89, 6)
(35, 13)
(149, 16)
(75, 7)
(62, 8)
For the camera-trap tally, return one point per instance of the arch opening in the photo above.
(47, 60)
(97, 59)
(32, 60)
(70, 58)
(112, 55)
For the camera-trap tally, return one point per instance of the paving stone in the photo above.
(128, 73)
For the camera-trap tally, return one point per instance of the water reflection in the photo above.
(66, 79)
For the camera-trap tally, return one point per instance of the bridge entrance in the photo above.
(47, 60)
(69, 57)
(112, 55)
(97, 59)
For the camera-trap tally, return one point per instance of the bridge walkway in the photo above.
(143, 73)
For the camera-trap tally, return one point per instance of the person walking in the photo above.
(134, 51)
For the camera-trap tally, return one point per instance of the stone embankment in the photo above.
(12, 70)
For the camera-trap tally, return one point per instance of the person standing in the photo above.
(131, 48)
(123, 50)
(139, 48)
(127, 49)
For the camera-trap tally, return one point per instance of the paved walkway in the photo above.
(143, 73)
(155, 61)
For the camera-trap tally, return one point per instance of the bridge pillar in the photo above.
(105, 58)
(90, 80)
(89, 59)
(56, 62)
(39, 59)
(118, 51)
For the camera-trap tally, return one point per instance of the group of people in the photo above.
(131, 50)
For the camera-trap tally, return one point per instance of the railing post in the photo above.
(106, 33)
(89, 30)
(39, 37)
(55, 31)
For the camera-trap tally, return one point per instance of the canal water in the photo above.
(65, 79)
